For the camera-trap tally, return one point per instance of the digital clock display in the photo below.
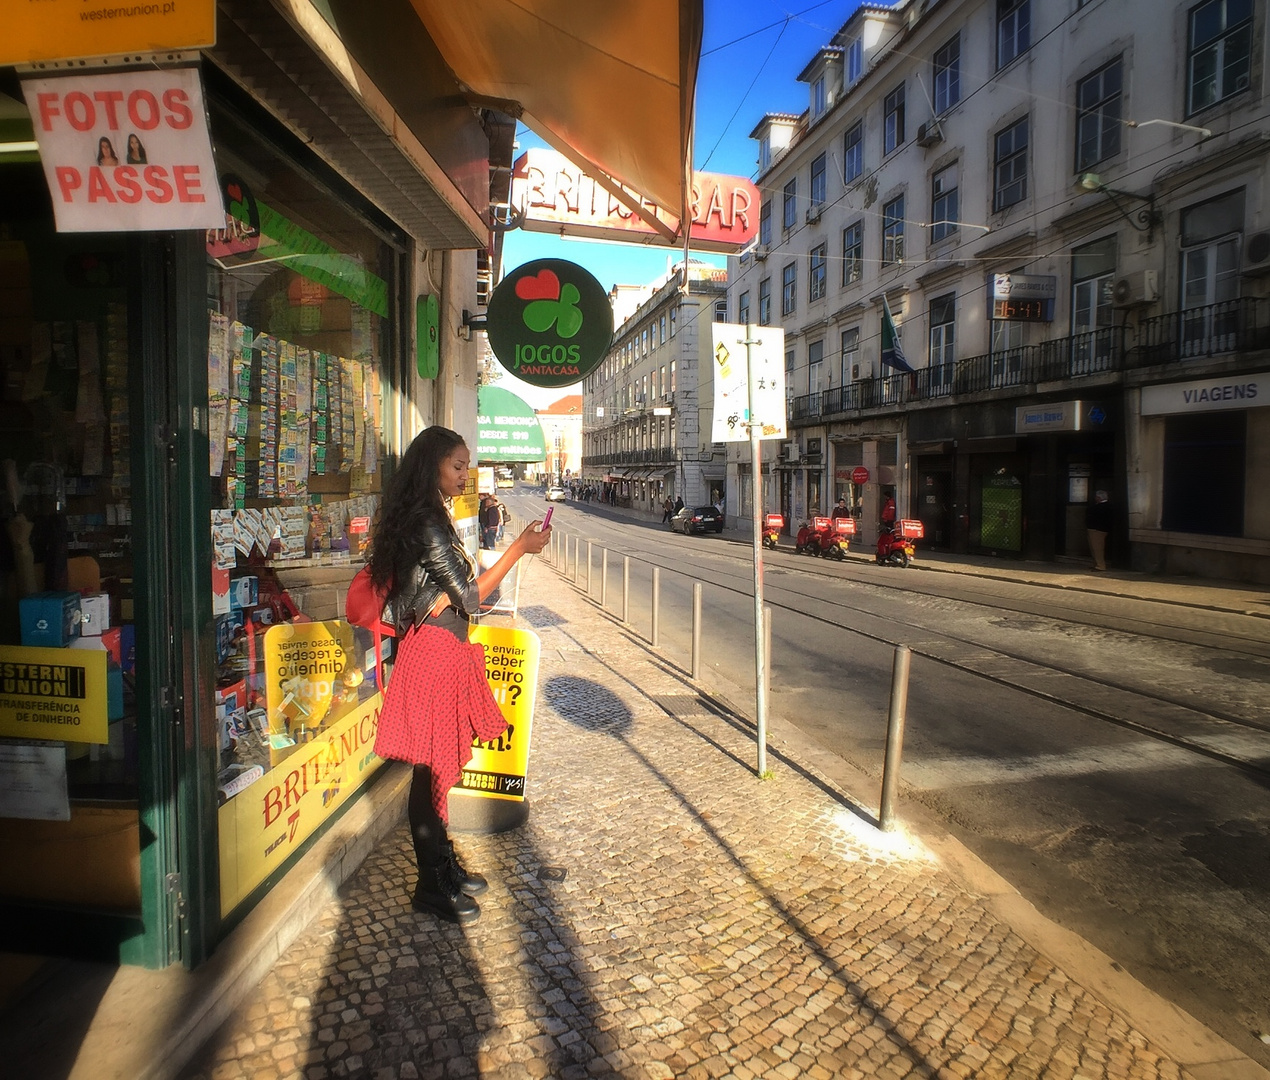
(1023, 310)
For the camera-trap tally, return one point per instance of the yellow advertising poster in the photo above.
(264, 824)
(310, 674)
(499, 767)
(70, 29)
(55, 694)
(466, 509)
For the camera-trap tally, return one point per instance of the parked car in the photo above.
(556, 494)
(697, 519)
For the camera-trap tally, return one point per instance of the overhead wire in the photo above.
(1033, 211)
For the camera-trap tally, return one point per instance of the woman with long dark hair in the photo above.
(437, 700)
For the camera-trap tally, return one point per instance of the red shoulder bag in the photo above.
(364, 607)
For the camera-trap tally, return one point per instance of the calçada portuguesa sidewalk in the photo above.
(667, 913)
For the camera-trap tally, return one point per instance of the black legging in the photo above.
(426, 827)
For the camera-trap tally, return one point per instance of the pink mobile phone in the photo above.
(546, 518)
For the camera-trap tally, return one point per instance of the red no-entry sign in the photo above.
(860, 475)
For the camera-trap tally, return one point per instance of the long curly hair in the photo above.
(413, 496)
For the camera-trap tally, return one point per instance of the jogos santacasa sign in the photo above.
(549, 322)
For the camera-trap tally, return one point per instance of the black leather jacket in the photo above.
(443, 566)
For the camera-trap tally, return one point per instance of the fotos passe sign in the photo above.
(126, 151)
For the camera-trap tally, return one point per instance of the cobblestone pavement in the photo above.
(709, 924)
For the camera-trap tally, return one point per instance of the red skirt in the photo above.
(437, 703)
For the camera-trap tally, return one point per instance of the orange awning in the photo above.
(610, 85)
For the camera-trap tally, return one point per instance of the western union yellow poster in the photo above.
(53, 694)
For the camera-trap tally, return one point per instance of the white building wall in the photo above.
(1161, 154)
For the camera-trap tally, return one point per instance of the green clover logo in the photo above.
(550, 303)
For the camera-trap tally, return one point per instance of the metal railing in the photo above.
(657, 456)
(1232, 326)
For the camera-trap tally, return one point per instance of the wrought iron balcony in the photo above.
(1077, 356)
(659, 455)
(1231, 326)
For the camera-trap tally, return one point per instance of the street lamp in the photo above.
(1144, 220)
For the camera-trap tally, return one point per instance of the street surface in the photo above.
(1108, 755)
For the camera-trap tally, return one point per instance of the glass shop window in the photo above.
(69, 826)
(299, 339)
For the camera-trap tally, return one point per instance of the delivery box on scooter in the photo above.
(844, 526)
(821, 524)
(910, 530)
(774, 521)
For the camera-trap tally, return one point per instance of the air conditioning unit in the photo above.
(1257, 253)
(789, 451)
(930, 133)
(761, 252)
(1133, 290)
(813, 214)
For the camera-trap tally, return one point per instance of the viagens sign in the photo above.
(549, 322)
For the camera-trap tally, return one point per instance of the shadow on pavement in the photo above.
(593, 707)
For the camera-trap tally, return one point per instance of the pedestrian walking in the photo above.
(489, 519)
(1097, 526)
(667, 510)
(504, 518)
(437, 701)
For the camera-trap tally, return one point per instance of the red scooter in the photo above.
(895, 545)
(827, 537)
(772, 525)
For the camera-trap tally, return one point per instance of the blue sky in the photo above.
(751, 55)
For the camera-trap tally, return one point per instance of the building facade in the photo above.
(561, 423)
(648, 407)
(1077, 276)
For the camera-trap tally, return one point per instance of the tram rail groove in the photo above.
(1252, 768)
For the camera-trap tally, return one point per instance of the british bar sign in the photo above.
(551, 194)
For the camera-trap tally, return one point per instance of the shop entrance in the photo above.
(90, 841)
(934, 502)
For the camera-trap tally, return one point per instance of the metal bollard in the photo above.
(604, 577)
(653, 637)
(626, 586)
(588, 568)
(894, 737)
(577, 550)
(696, 630)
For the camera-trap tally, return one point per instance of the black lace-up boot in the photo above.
(439, 892)
(472, 884)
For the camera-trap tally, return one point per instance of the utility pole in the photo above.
(756, 507)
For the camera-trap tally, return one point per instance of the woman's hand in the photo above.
(534, 539)
(442, 602)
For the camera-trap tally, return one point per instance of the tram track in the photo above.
(1206, 731)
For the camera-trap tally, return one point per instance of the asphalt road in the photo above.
(1109, 756)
